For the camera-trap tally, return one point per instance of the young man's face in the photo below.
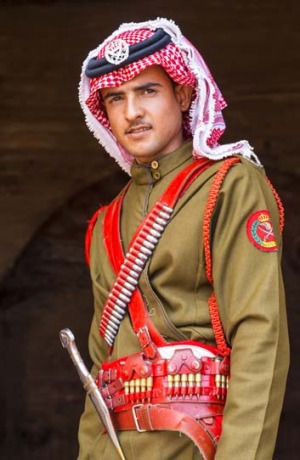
(145, 114)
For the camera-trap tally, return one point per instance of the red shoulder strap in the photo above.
(279, 205)
(210, 205)
(89, 232)
(208, 212)
(111, 231)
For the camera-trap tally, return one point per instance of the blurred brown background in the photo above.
(53, 175)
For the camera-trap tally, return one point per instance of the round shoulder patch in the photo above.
(260, 231)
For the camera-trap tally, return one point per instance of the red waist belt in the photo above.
(183, 389)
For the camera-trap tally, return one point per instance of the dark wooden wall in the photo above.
(53, 174)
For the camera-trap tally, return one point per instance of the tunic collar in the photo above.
(150, 173)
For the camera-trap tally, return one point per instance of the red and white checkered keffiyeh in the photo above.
(185, 66)
(169, 58)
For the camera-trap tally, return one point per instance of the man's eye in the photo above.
(149, 91)
(114, 99)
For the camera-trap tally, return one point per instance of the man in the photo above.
(185, 263)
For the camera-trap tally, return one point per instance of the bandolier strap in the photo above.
(140, 249)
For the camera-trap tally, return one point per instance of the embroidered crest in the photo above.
(260, 231)
(117, 51)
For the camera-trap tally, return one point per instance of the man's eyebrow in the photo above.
(146, 86)
(135, 88)
(112, 94)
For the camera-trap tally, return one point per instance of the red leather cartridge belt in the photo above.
(181, 372)
(182, 389)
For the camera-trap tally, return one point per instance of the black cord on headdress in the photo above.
(160, 39)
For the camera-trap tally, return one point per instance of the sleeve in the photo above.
(250, 295)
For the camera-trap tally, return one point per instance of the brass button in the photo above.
(154, 164)
(156, 175)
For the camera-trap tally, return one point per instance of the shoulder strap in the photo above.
(92, 222)
(209, 209)
(89, 233)
(279, 205)
(208, 212)
(111, 231)
(129, 267)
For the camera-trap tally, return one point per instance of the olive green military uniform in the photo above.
(249, 291)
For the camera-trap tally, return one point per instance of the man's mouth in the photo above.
(138, 129)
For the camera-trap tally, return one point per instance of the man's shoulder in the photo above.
(243, 173)
(100, 213)
(232, 169)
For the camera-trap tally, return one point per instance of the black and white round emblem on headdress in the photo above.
(116, 51)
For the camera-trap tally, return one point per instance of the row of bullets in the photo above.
(139, 390)
(135, 260)
(178, 386)
(189, 385)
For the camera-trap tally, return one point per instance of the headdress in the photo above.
(133, 48)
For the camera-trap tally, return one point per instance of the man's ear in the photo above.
(184, 95)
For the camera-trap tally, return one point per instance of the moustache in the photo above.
(137, 124)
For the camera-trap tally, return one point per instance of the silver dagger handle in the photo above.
(68, 342)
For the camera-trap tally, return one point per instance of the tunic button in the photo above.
(156, 175)
(154, 164)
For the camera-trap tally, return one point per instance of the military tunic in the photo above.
(250, 296)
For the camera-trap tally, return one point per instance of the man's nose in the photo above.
(133, 109)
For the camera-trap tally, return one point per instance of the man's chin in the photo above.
(142, 154)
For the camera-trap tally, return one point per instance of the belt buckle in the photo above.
(136, 419)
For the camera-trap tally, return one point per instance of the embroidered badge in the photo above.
(260, 231)
(117, 51)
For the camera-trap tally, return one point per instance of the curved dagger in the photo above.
(68, 341)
